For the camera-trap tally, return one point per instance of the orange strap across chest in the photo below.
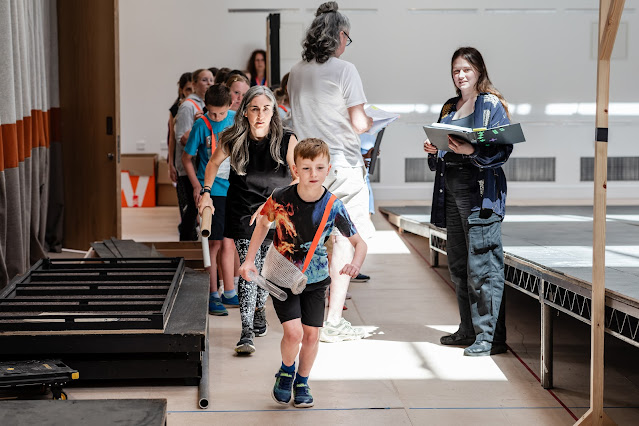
(318, 233)
(196, 105)
(208, 123)
(210, 127)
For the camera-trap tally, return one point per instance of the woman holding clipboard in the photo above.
(469, 199)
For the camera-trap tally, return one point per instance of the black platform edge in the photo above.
(100, 412)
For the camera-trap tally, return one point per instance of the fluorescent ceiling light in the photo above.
(624, 108)
(442, 11)
(562, 109)
(421, 108)
(587, 108)
(524, 109)
(404, 108)
(520, 11)
(590, 108)
(627, 217)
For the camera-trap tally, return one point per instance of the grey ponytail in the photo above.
(322, 38)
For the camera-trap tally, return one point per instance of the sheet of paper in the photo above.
(381, 118)
(451, 127)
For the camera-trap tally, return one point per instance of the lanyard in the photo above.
(196, 105)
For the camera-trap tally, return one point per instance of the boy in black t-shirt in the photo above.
(298, 211)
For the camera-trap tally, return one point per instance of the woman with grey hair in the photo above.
(261, 156)
(327, 102)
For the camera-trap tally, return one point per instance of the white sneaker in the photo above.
(342, 331)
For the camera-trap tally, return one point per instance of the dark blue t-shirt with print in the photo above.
(296, 222)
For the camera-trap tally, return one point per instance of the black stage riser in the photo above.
(96, 369)
(81, 307)
(13, 347)
(89, 281)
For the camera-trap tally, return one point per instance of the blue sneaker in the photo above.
(283, 387)
(231, 301)
(302, 397)
(216, 307)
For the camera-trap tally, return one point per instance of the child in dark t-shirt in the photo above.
(297, 211)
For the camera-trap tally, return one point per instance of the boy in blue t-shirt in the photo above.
(297, 211)
(202, 142)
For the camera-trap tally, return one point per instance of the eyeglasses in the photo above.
(348, 37)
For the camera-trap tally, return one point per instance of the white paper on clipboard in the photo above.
(381, 118)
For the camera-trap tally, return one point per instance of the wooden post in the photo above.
(273, 50)
(609, 15)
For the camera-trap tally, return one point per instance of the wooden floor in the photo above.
(400, 374)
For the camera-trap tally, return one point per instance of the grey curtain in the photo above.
(28, 108)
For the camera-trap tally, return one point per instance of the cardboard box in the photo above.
(167, 195)
(163, 172)
(137, 180)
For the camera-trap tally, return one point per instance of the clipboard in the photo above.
(375, 153)
(508, 134)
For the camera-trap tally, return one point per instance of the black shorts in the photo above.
(309, 306)
(217, 224)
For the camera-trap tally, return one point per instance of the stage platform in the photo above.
(548, 255)
(122, 412)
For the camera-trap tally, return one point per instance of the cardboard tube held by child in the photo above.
(275, 291)
(205, 223)
(205, 231)
(280, 271)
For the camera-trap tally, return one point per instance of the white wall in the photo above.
(538, 54)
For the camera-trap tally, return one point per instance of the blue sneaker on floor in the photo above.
(216, 307)
(302, 397)
(231, 301)
(283, 386)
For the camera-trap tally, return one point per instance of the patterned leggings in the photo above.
(248, 293)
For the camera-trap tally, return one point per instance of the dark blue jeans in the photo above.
(475, 259)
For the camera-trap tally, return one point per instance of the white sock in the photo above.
(334, 324)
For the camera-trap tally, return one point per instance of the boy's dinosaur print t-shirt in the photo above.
(296, 223)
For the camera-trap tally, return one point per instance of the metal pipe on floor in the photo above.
(205, 230)
(203, 389)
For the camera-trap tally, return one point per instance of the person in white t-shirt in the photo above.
(327, 102)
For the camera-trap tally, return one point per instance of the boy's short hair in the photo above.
(218, 95)
(311, 148)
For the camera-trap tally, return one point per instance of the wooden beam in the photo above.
(608, 31)
(587, 420)
(609, 17)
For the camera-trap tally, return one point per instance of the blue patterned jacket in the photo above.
(490, 191)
